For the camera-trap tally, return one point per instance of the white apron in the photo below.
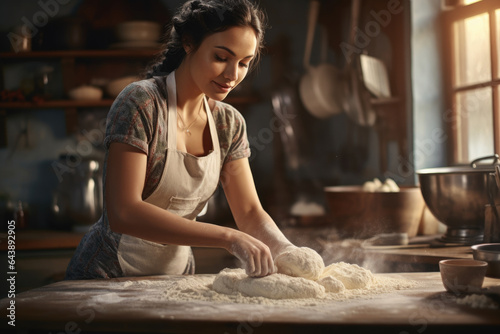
(186, 184)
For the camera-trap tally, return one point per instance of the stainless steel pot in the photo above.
(78, 200)
(457, 196)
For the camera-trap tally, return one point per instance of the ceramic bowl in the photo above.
(113, 88)
(85, 92)
(462, 275)
(138, 31)
(491, 254)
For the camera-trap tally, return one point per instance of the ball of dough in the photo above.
(331, 284)
(392, 185)
(369, 186)
(385, 188)
(280, 286)
(300, 262)
(227, 280)
(276, 286)
(377, 183)
(351, 275)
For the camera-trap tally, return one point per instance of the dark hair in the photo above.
(197, 19)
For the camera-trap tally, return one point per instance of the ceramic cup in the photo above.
(462, 275)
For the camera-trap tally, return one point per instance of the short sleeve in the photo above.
(240, 147)
(232, 131)
(130, 119)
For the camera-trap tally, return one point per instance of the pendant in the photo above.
(188, 132)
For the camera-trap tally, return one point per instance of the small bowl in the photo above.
(138, 31)
(85, 93)
(491, 254)
(113, 88)
(462, 275)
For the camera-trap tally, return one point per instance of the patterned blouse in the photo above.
(138, 118)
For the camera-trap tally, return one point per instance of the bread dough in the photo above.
(300, 262)
(276, 286)
(351, 275)
(336, 278)
(332, 284)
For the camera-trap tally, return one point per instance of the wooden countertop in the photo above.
(88, 306)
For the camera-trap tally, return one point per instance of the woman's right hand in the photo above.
(253, 253)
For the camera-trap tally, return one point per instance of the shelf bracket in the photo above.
(71, 117)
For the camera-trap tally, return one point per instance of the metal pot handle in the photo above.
(497, 175)
(473, 164)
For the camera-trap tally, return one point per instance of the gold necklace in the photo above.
(186, 128)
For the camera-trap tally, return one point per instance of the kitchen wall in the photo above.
(427, 86)
(26, 168)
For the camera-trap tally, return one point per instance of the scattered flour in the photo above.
(300, 262)
(203, 288)
(302, 280)
(478, 301)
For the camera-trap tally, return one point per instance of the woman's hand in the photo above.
(253, 253)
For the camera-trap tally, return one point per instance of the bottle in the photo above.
(19, 216)
(44, 83)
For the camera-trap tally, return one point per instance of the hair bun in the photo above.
(196, 4)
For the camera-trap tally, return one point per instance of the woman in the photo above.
(169, 139)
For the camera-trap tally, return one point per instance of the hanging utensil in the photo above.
(320, 87)
(283, 107)
(357, 103)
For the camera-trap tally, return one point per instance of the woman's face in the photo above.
(222, 61)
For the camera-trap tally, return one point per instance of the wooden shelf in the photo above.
(111, 53)
(62, 104)
(77, 66)
(56, 104)
(42, 240)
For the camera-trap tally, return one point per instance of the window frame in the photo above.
(449, 17)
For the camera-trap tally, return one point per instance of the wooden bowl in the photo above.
(361, 214)
(462, 275)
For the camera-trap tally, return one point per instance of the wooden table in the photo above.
(81, 306)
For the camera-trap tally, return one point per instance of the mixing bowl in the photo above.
(457, 196)
(362, 214)
(491, 254)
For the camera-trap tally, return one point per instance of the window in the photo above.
(471, 56)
